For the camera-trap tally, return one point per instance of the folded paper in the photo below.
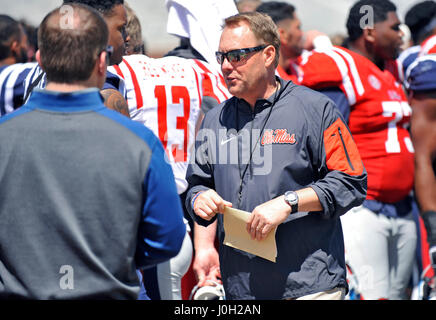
(235, 222)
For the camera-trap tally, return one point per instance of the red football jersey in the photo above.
(379, 117)
(290, 74)
(428, 46)
(165, 95)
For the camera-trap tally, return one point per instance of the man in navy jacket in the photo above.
(283, 153)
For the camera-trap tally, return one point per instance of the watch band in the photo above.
(291, 198)
(294, 208)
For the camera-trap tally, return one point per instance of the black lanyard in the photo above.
(278, 93)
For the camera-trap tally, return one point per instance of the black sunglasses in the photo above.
(237, 54)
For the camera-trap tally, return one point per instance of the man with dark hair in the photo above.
(291, 36)
(115, 16)
(87, 196)
(32, 39)
(13, 55)
(377, 12)
(13, 42)
(422, 24)
(420, 79)
(421, 20)
(380, 236)
(422, 86)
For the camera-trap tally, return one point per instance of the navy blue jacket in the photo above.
(299, 140)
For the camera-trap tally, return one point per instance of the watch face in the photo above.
(291, 197)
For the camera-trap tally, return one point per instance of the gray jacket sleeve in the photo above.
(199, 177)
(342, 182)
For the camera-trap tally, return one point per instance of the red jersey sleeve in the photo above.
(319, 70)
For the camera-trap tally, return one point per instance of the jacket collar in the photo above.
(83, 100)
(261, 104)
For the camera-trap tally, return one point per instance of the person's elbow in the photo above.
(174, 242)
(163, 246)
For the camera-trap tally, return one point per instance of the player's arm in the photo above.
(206, 264)
(424, 142)
(115, 101)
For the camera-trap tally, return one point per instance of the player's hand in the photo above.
(266, 217)
(206, 266)
(208, 204)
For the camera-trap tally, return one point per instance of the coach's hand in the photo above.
(267, 216)
(208, 204)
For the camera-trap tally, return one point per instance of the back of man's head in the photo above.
(70, 39)
(421, 20)
(105, 7)
(365, 13)
(277, 10)
(10, 30)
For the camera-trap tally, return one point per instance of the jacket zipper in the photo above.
(345, 149)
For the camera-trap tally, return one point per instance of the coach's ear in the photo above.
(269, 55)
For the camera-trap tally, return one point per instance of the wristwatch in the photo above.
(291, 199)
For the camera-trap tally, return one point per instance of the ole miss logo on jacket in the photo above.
(280, 136)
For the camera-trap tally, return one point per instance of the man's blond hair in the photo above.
(262, 26)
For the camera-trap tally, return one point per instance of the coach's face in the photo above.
(118, 37)
(245, 78)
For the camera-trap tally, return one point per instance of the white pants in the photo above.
(380, 251)
(334, 294)
(170, 273)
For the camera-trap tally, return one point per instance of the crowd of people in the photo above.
(117, 168)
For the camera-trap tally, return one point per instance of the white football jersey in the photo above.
(165, 95)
